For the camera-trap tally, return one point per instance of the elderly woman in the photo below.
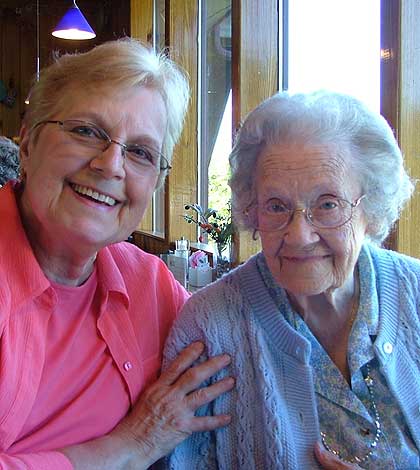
(83, 317)
(323, 325)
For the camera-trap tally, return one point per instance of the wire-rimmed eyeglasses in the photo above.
(91, 136)
(326, 212)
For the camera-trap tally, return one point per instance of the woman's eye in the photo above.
(275, 207)
(327, 204)
(86, 131)
(141, 153)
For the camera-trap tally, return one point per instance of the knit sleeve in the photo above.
(35, 461)
(199, 450)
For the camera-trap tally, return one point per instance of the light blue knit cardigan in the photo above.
(275, 424)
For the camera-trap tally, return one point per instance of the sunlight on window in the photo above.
(335, 45)
(219, 191)
(216, 105)
(331, 45)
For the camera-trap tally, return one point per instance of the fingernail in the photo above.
(226, 359)
(231, 381)
(198, 345)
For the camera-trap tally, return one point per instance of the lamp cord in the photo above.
(37, 40)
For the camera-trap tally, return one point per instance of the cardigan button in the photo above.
(388, 348)
(127, 365)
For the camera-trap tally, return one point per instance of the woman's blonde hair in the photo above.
(123, 63)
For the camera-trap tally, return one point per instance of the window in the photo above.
(319, 50)
(333, 45)
(215, 103)
(276, 44)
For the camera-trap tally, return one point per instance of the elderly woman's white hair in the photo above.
(119, 64)
(327, 118)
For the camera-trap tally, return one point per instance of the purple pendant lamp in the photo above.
(73, 25)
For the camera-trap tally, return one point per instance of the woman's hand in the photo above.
(164, 415)
(329, 461)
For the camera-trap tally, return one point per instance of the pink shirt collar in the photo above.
(16, 250)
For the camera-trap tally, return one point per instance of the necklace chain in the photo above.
(378, 429)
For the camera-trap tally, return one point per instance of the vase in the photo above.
(223, 263)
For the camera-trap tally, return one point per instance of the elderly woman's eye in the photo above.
(274, 206)
(327, 204)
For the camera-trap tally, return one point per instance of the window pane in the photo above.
(219, 191)
(216, 104)
(158, 201)
(335, 44)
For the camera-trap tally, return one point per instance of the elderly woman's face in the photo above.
(303, 259)
(81, 195)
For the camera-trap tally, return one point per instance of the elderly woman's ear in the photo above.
(372, 226)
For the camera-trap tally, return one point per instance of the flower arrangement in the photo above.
(217, 224)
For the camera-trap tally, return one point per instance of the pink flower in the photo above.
(198, 258)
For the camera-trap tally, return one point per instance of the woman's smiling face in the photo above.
(87, 197)
(304, 259)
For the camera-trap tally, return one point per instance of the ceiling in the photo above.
(12, 4)
(15, 3)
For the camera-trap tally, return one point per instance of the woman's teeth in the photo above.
(94, 195)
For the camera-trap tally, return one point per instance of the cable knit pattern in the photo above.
(273, 406)
(223, 320)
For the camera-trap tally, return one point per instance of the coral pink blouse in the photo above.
(74, 359)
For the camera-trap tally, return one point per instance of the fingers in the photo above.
(196, 375)
(164, 415)
(204, 423)
(329, 461)
(181, 363)
(188, 378)
(205, 395)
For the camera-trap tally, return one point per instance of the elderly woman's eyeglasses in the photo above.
(325, 212)
(90, 136)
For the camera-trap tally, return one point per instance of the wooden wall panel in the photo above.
(10, 73)
(255, 62)
(182, 35)
(390, 78)
(28, 63)
(109, 19)
(141, 19)
(409, 121)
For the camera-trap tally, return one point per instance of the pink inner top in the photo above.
(79, 379)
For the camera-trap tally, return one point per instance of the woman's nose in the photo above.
(300, 231)
(110, 162)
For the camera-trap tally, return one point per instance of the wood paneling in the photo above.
(110, 20)
(409, 121)
(142, 20)
(390, 70)
(11, 44)
(255, 62)
(182, 34)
